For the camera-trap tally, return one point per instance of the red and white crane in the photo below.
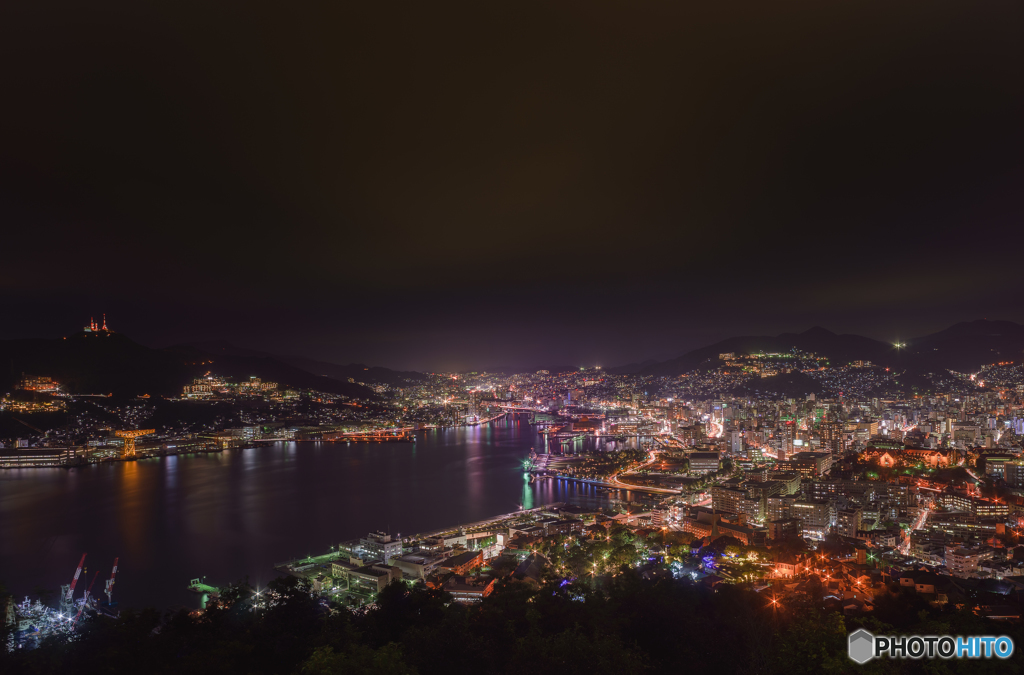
(85, 600)
(109, 586)
(71, 588)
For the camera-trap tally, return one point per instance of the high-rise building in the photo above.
(736, 442)
(817, 516)
(848, 521)
(831, 437)
(788, 436)
(474, 404)
(1013, 474)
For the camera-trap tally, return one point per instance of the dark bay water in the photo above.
(237, 513)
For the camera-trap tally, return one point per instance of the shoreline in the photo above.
(259, 443)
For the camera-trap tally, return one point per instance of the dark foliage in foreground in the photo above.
(632, 626)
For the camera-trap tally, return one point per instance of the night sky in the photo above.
(440, 185)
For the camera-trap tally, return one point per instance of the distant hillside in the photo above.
(102, 363)
(631, 368)
(964, 347)
(511, 370)
(357, 372)
(241, 364)
(839, 349)
(783, 386)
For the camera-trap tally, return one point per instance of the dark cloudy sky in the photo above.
(452, 185)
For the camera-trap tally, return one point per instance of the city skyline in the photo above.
(546, 336)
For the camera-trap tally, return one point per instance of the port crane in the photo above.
(129, 436)
(65, 600)
(85, 600)
(108, 587)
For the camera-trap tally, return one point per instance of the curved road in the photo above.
(614, 479)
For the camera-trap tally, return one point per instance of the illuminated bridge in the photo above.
(516, 408)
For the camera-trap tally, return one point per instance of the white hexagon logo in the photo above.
(862, 646)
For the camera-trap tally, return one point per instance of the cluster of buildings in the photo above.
(211, 386)
(34, 394)
(465, 562)
(357, 570)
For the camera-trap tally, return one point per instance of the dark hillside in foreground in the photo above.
(629, 626)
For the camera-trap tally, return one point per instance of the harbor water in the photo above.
(225, 516)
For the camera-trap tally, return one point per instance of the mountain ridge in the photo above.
(964, 347)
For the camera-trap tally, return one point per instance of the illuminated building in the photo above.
(811, 464)
(863, 491)
(14, 457)
(790, 481)
(37, 383)
(373, 578)
(816, 517)
(788, 436)
(848, 521)
(784, 528)
(200, 389)
(789, 565)
(728, 497)
(930, 458)
(465, 592)
(994, 464)
(417, 565)
(736, 443)
(1013, 474)
(748, 536)
(963, 563)
(965, 432)
(256, 385)
(778, 507)
(463, 563)
(692, 435)
(704, 462)
(831, 437)
(381, 546)
(976, 506)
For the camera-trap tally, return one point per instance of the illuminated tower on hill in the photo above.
(94, 327)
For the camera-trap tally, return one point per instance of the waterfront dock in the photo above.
(300, 565)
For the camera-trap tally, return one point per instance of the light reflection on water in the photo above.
(237, 513)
